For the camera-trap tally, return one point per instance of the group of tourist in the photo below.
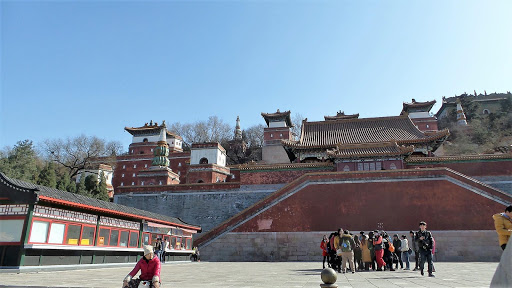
(378, 251)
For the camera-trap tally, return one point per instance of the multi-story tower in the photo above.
(419, 113)
(278, 128)
(159, 173)
(140, 154)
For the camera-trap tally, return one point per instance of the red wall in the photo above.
(250, 177)
(399, 205)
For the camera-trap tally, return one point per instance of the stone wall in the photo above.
(455, 246)
(504, 183)
(204, 208)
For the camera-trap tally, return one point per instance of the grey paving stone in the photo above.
(258, 275)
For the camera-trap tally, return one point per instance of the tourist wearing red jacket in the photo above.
(149, 267)
(379, 251)
(325, 254)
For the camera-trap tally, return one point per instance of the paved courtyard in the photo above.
(258, 275)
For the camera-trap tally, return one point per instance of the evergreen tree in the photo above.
(91, 184)
(71, 187)
(21, 162)
(80, 188)
(47, 176)
(64, 183)
(102, 188)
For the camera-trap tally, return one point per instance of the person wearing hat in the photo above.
(149, 267)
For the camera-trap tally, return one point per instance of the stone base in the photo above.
(328, 285)
(452, 246)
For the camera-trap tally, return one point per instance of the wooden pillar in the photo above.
(25, 234)
(95, 241)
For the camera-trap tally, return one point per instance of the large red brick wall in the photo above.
(398, 205)
(474, 168)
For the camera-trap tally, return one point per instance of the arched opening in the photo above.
(145, 140)
(486, 112)
(203, 161)
(200, 181)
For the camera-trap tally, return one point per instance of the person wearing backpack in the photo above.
(347, 251)
(337, 248)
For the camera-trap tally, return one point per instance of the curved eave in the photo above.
(278, 115)
(108, 211)
(401, 151)
(430, 137)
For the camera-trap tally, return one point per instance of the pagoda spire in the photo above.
(238, 131)
(461, 117)
(161, 152)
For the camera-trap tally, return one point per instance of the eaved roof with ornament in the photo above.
(27, 193)
(150, 129)
(369, 150)
(330, 134)
(415, 106)
(278, 116)
(341, 115)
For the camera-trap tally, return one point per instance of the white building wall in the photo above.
(173, 142)
(277, 124)
(414, 115)
(140, 139)
(214, 156)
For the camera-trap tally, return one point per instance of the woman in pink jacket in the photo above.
(149, 267)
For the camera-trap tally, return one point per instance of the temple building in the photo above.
(207, 163)
(159, 173)
(278, 128)
(42, 226)
(140, 155)
(487, 103)
(367, 143)
(419, 112)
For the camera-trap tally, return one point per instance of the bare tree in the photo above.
(253, 135)
(212, 130)
(297, 125)
(77, 153)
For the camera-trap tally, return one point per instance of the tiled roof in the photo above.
(341, 115)
(328, 134)
(278, 116)
(415, 105)
(150, 129)
(71, 199)
(370, 150)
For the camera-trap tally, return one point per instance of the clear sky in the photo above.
(94, 67)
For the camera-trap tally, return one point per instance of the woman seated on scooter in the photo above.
(150, 270)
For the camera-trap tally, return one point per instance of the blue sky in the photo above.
(94, 67)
